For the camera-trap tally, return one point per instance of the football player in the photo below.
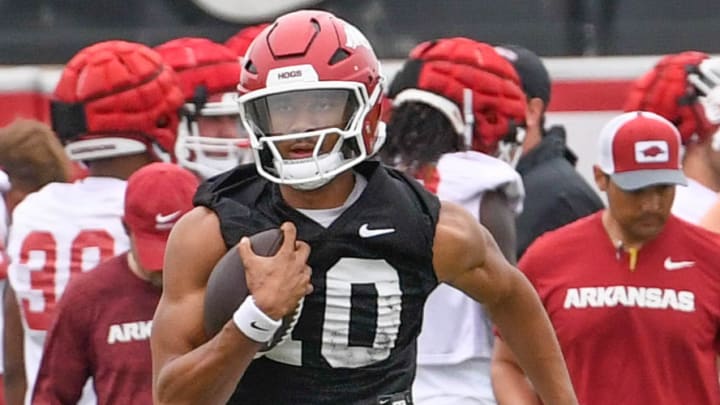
(685, 89)
(115, 108)
(378, 243)
(210, 137)
(31, 157)
(455, 102)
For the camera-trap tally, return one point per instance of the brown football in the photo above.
(227, 288)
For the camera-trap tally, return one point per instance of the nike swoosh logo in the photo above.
(364, 232)
(162, 219)
(671, 265)
(255, 326)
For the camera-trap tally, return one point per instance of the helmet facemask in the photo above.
(211, 139)
(706, 79)
(308, 115)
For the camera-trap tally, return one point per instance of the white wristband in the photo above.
(253, 322)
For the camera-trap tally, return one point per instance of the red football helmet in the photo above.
(477, 90)
(117, 98)
(316, 64)
(680, 88)
(210, 139)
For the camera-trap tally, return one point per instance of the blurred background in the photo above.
(51, 31)
(593, 49)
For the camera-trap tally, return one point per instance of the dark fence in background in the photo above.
(51, 31)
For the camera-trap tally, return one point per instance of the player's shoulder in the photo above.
(83, 196)
(465, 175)
(456, 226)
(38, 199)
(236, 180)
(472, 164)
(393, 189)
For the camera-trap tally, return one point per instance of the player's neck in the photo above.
(119, 167)
(619, 238)
(332, 195)
(141, 273)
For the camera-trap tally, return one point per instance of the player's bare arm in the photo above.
(509, 382)
(14, 364)
(467, 257)
(187, 367)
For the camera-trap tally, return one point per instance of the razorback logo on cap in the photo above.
(652, 151)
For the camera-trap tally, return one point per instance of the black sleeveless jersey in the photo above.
(355, 341)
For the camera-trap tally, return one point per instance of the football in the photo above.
(227, 288)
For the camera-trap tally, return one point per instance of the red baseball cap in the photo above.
(640, 149)
(157, 196)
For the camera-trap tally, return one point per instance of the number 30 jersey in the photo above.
(56, 233)
(355, 341)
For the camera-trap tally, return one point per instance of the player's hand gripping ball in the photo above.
(227, 288)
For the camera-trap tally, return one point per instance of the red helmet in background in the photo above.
(116, 98)
(210, 139)
(240, 42)
(317, 57)
(476, 89)
(676, 88)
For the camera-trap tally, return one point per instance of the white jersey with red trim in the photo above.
(57, 232)
(693, 201)
(456, 331)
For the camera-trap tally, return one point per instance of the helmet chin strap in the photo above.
(469, 118)
(510, 151)
(308, 167)
(161, 154)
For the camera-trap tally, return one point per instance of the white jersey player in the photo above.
(116, 109)
(57, 232)
(469, 346)
(447, 129)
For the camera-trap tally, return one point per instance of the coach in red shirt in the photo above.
(102, 329)
(632, 291)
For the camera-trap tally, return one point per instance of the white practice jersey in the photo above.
(455, 344)
(57, 232)
(693, 201)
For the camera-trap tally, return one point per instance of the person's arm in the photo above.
(480, 270)
(510, 385)
(65, 366)
(187, 367)
(499, 219)
(13, 350)
(711, 220)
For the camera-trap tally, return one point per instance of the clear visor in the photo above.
(304, 134)
(301, 111)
